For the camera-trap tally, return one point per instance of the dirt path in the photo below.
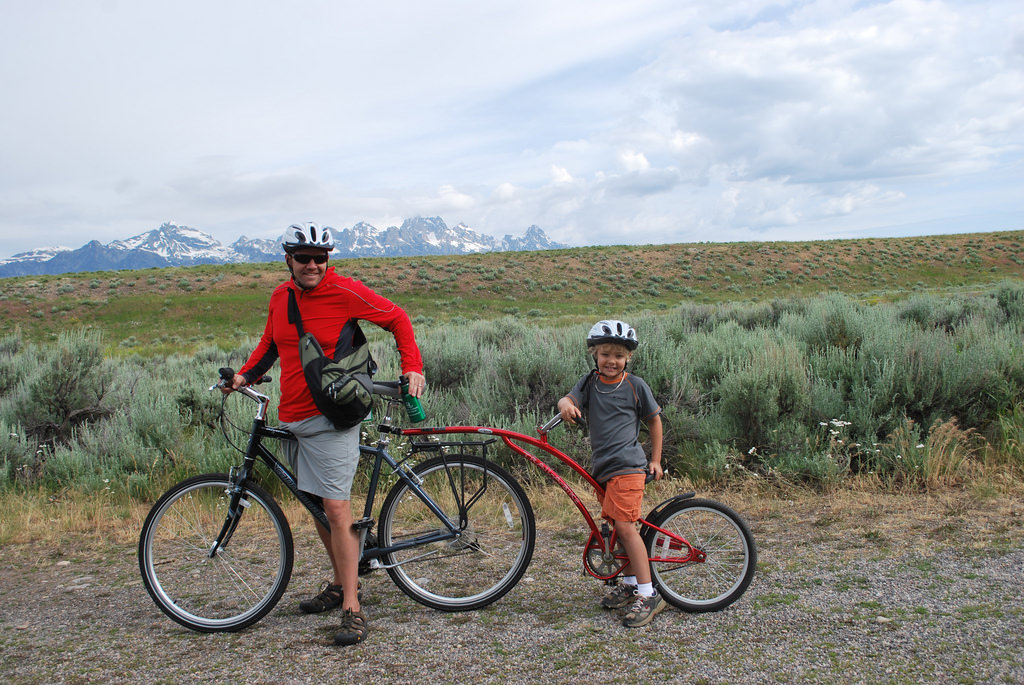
(891, 590)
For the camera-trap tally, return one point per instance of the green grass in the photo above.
(184, 309)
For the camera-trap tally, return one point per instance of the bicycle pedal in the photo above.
(363, 523)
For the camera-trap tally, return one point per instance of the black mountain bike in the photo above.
(455, 532)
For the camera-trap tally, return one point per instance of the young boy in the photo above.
(616, 402)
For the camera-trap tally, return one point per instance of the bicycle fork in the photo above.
(237, 504)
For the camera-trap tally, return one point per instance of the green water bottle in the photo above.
(413, 407)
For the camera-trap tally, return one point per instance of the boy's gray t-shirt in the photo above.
(611, 410)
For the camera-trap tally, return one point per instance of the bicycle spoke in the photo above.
(484, 560)
(238, 584)
(727, 555)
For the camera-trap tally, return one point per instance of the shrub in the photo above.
(63, 387)
(743, 387)
(911, 460)
(18, 459)
(1011, 435)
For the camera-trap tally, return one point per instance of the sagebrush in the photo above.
(812, 389)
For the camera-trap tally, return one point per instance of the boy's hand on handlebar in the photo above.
(655, 470)
(569, 411)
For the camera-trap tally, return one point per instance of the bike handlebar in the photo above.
(387, 388)
(227, 377)
(550, 425)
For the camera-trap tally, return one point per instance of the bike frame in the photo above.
(602, 540)
(257, 451)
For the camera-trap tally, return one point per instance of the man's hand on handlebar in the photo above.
(237, 381)
(417, 383)
(229, 380)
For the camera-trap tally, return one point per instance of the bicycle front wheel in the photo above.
(494, 545)
(727, 546)
(242, 581)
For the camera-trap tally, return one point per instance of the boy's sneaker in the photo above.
(621, 596)
(643, 611)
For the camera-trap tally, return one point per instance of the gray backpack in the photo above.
(342, 387)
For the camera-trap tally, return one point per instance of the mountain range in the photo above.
(174, 245)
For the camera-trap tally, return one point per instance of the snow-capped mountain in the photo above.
(40, 254)
(174, 245)
(255, 249)
(180, 245)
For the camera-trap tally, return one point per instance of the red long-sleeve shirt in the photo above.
(325, 308)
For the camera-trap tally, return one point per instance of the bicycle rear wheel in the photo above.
(495, 545)
(721, 535)
(242, 582)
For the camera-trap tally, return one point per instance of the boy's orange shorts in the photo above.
(623, 497)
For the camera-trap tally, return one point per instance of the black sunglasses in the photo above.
(306, 258)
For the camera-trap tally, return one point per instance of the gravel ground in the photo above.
(891, 590)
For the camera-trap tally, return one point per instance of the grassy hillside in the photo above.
(181, 309)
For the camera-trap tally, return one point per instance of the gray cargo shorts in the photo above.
(324, 459)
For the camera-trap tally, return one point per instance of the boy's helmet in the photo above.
(307, 234)
(612, 331)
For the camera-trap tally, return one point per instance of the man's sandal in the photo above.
(329, 598)
(353, 628)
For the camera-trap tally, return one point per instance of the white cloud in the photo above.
(560, 175)
(600, 121)
(634, 161)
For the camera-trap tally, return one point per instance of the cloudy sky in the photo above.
(601, 121)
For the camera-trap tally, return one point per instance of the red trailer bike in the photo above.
(702, 554)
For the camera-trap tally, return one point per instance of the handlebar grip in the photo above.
(554, 421)
(387, 388)
(226, 373)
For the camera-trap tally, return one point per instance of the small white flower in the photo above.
(920, 447)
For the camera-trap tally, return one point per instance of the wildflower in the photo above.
(920, 446)
(822, 423)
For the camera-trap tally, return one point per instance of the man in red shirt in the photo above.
(323, 457)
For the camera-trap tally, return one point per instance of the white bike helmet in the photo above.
(612, 331)
(307, 234)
